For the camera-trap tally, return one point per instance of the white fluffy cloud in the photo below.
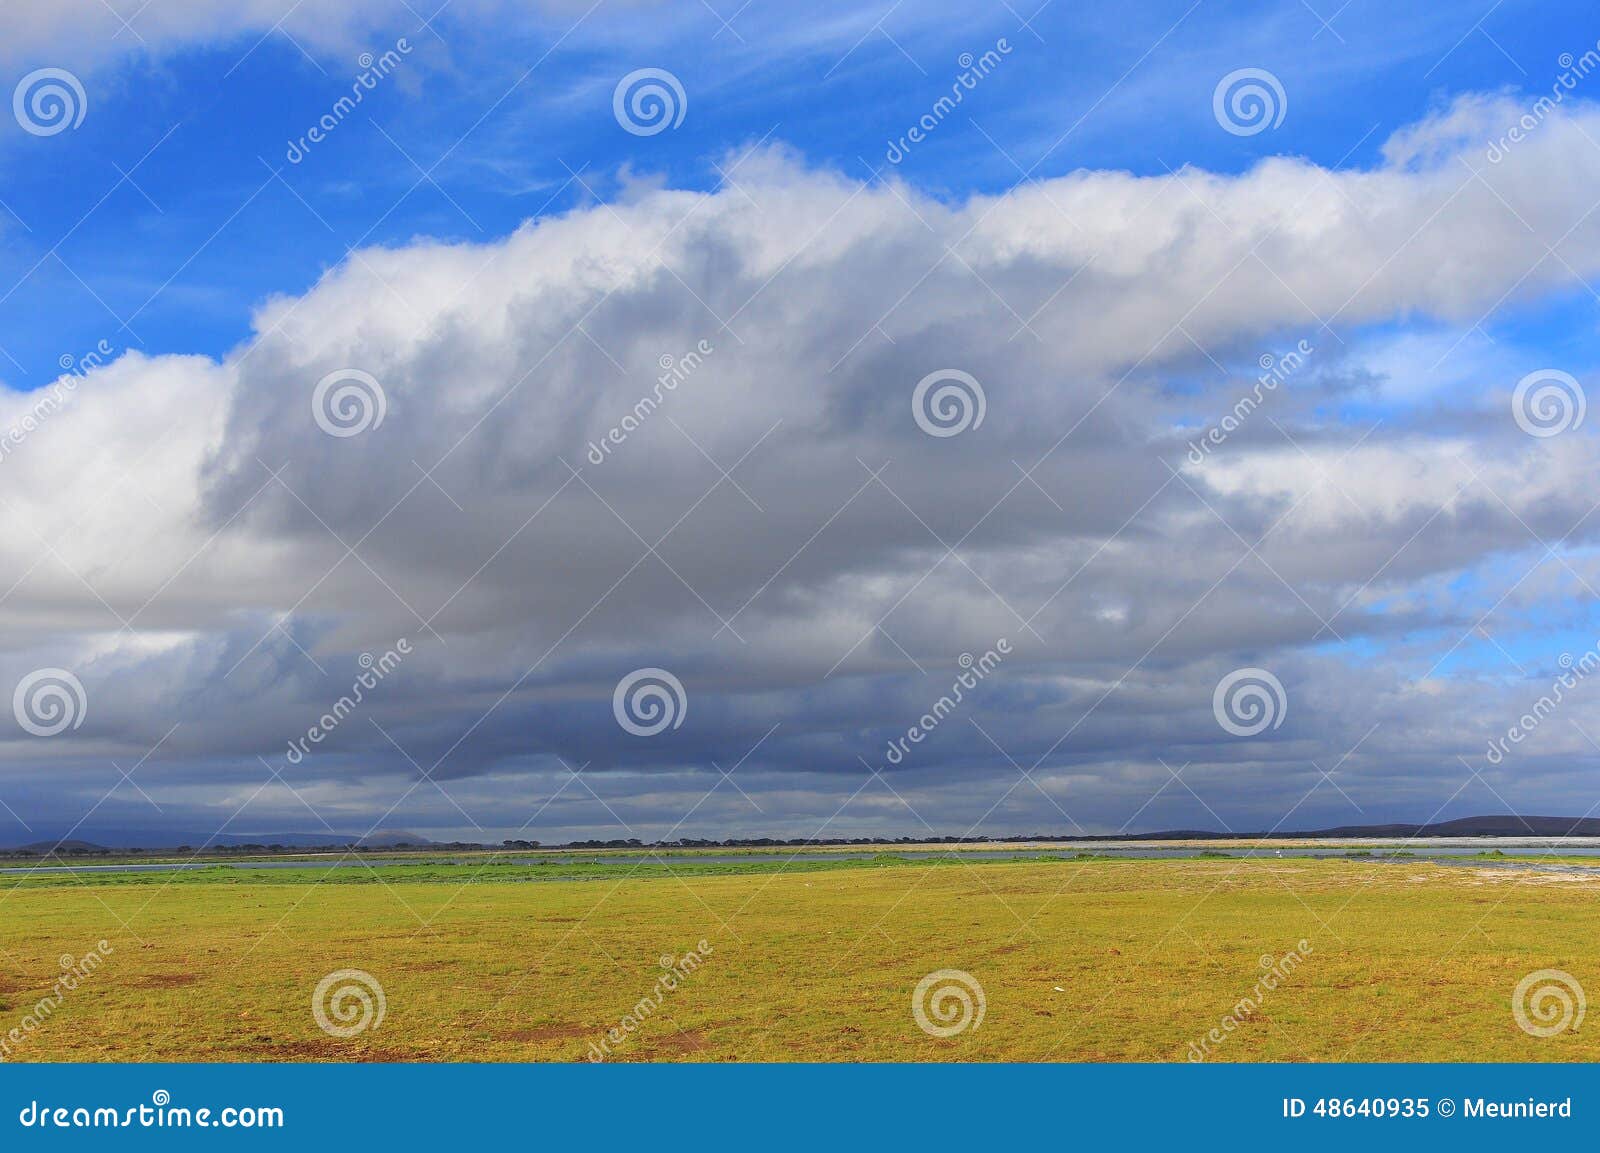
(778, 529)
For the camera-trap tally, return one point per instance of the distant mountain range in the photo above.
(1501, 826)
(110, 840)
(107, 840)
(1493, 826)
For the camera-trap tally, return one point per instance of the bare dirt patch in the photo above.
(685, 1042)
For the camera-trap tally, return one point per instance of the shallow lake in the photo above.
(1452, 851)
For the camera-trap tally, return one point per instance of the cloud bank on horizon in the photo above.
(811, 496)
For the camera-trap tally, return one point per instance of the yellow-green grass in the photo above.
(1082, 961)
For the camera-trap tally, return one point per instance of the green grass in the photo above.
(482, 872)
(1079, 959)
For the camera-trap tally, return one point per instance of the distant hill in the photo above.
(394, 837)
(42, 847)
(1492, 826)
(1501, 826)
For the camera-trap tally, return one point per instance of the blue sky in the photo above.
(1082, 89)
(485, 241)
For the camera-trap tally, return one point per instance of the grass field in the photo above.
(1086, 960)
